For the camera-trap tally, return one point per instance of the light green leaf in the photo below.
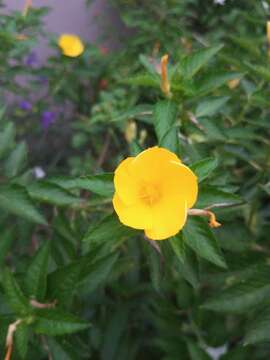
(54, 322)
(214, 81)
(165, 116)
(200, 238)
(146, 80)
(47, 192)
(15, 199)
(194, 62)
(16, 160)
(101, 184)
(203, 168)
(16, 299)
(36, 275)
(210, 106)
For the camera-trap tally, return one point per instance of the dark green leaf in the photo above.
(36, 275)
(200, 238)
(22, 335)
(16, 160)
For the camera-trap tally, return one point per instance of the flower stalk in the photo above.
(9, 338)
(213, 223)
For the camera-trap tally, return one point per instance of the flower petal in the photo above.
(178, 179)
(148, 164)
(126, 185)
(137, 216)
(169, 216)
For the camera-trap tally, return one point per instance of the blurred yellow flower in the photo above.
(232, 84)
(71, 45)
(153, 192)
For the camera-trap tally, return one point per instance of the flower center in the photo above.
(150, 193)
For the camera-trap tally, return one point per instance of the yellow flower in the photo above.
(153, 192)
(71, 45)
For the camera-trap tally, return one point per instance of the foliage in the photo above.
(82, 284)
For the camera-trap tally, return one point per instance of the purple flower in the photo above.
(31, 59)
(47, 118)
(25, 105)
(43, 79)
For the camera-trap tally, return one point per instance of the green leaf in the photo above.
(15, 199)
(146, 80)
(200, 238)
(211, 82)
(186, 264)
(95, 274)
(101, 184)
(203, 168)
(47, 192)
(109, 229)
(16, 160)
(7, 138)
(210, 106)
(16, 299)
(6, 238)
(194, 62)
(195, 352)
(165, 116)
(54, 322)
(22, 336)
(116, 327)
(259, 328)
(36, 275)
(243, 296)
(63, 281)
(210, 196)
(141, 112)
(178, 246)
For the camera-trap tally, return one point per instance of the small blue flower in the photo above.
(47, 119)
(31, 59)
(25, 105)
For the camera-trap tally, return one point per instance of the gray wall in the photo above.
(73, 16)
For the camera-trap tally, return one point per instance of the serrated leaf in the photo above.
(203, 168)
(16, 160)
(194, 62)
(36, 275)
(101, 184)
(165, 116)
(54, 322)
(63, 281)
(259, 328)
(15, 199)
(22, 335)
(47, 192)
(210, 196)
(16, 299)
(243, 296)
(210, 106)
(200, 238)
(213, 81)
(7, 138)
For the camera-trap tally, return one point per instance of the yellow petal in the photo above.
(178, 179)
(169, 217)
(137, 216)
(148, 164)
(71, 45)
(125, 183)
